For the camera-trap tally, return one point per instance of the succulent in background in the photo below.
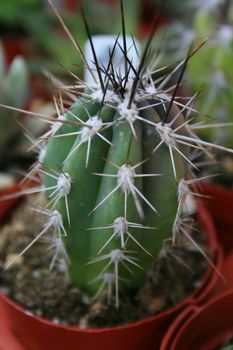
(46, 45)
(115, 167)
(212, 69)
(13, 92)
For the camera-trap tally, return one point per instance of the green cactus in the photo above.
(116, 189)
(86, 191)
(13, 92)
(115, 167)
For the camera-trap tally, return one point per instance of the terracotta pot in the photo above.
(35, 333)
(205, 328)
(220, 206)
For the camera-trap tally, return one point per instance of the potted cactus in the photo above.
(115, 170)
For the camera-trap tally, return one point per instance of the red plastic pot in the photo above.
(195, 327)
(148, 15)
(8, 205)
(220, 206)
(205, 328)
(15, 47)
(227, 272)
(35, 333)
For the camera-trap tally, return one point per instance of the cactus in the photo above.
(13, 92)
(115, 168)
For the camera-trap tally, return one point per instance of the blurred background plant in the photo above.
(13, 92)
(212, 67)
(44, 41)
(31, 23)
(195, 21)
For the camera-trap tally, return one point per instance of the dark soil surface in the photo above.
(49, 294)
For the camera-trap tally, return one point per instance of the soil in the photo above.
(46, 293)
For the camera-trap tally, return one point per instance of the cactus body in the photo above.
(121, 198)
